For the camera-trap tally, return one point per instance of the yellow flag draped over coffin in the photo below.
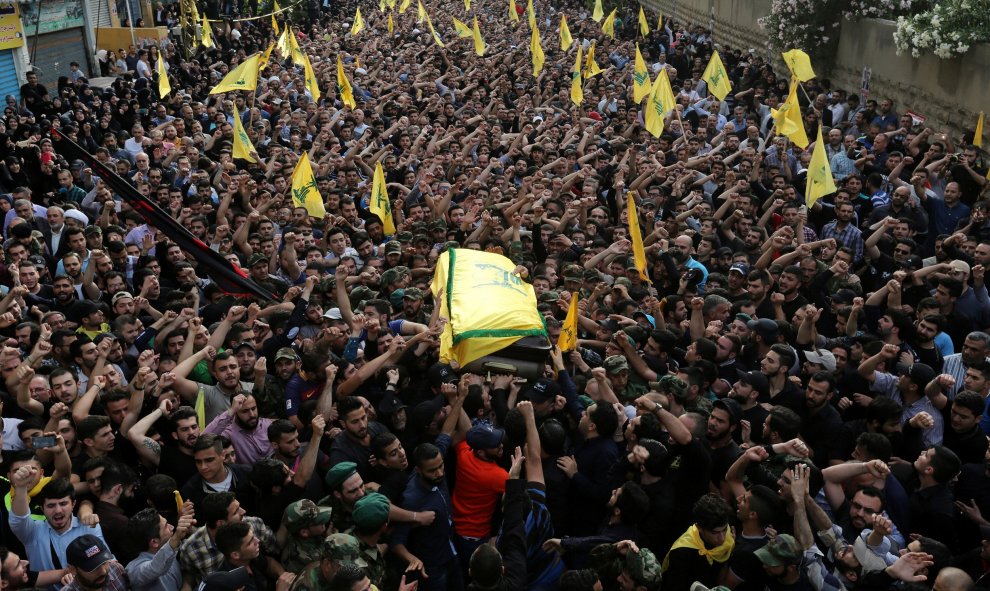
(488, 307)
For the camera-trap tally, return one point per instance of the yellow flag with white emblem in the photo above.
(379, 203)
(565, 35)
(577, 93)
(344, 86)
(305, 193)
(536, 50)
(243, 148)
(358, 25)
(641, 78)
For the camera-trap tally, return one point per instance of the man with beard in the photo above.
(246, 356)
(354, 443)
(480, 482)
(287, 449)
(117, 484)
(225, 370)
(750, 391)
(412, 306)
(822, 428)
(722, 423)
(789, 285)
(682, 250)
(174, 460)
(269, 390)
(47, 539)
(974, 352)
(65, 294)
(391, 465)
(246, 430)
(93, 567)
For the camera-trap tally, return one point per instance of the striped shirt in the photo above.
(886, 384)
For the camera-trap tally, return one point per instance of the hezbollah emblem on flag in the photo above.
(299, 193)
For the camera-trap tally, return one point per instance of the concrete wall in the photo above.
(948, 92)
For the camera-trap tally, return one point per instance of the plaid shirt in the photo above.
(116, 580)
(199, 556)
(850, 237)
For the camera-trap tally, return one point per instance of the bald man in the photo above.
(952, 579)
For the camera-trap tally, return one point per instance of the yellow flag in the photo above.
(242, 143)
(799, 64)
(404, 6)
(305, 193)
(310, 79)
(390, 4)
(820, 182)
(421, 13)
(358, 25)
(298, 57)
(608, 27)
(513, 11)
(536, 49)
(641, 78)
(266, 57)
(391, 24)
(567, 340)
(275, 25)
(660, 21)
(531, 14)
(163, 86)
(471, 280)
(977, 135)
(479, 43)
(207, 40)
(243, 77)
(381, 5)
(577, 93)
(344, 86)
(598, 13)
(591, 68)
(660, 103)
(639, 253)
(644, 27)
(379, 203)
(200, 409)
(565, 35)
(462, 29)
(436, 36)
(788, 118)
(275, 7)
(467, 4)
(716, 77)
(284, 48)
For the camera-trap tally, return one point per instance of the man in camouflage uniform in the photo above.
(335, 550)
(307, 525)
(370, 522)
(270, 392)
(346, 487)
(635, 569)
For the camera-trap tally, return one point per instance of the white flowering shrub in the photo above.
(947, 29)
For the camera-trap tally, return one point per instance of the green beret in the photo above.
(371, 511)
(339, 473)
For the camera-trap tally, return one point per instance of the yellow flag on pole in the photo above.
(799, 64)
(358, 25)
(200, 408)
(305, 193)
(310, 79)
(608, 27)
(275, 25)
(479, 43)
(636, 237)
(978, 134)
(820, 181)
(591, 68)
(207, 39)
(462, 29)
(598, 13)
(294, 50)
(391, 24)
(531, 14)
(577, 93)
(379, 203)
(266, 57)
(536, 49)
(242, 143)
(163, 86)
(283, 45)
(717, 78)
(644, 27)
(344, 86)
(513, 11)
(243, 77)
(436, 36)
(421, 13)
(565, 35)
(404, 6)
(660, 21)
(467, 4)
(788, 120)
(567, 340)
(660, 103)
(641, 78)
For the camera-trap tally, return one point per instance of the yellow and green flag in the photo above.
(471, 280)
(344, 86)
(820, 181)
(598, 13)
(163, 86)
(531, 14)
(717, 78)
(436, 36)
(644, 27)
(565, 35)
(660, 103)
(310, 79)
(207, 39)
(266, 57)
(243, 148)
(536, 50)
(788, 120)
(358, 25)
(608, 27)
(462, 29)
(577, 92)
(421, 14)
(641, 78)
(567, 340)
(636, 238)
(391, 24)
(591, 68)
(799, 64)
(305, 193)
(479, 43)
(404, 6)
(243, 77)
(977, 135)
(513, 11)
(379, 203)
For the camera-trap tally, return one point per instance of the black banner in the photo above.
(229, 278)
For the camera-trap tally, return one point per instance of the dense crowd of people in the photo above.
(795, 398)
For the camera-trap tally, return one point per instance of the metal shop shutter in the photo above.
(54, 53)
(8, 75)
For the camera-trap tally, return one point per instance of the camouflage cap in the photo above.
(362, 293)
(623, 281)
(371, 511)
(341, 548)
(783, 550)
(413, 293)
(548, 297)
(339, 474)
(257, 258)
(644, 568)
(672, 385)
(404, 236)
(615, 363)
(393, 247)
(437, 225)
(305, 513)
(389, 277)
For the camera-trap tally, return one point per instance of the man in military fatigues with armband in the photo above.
(370, 522)
(346, 487)
(307, 525)
(335, 550)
